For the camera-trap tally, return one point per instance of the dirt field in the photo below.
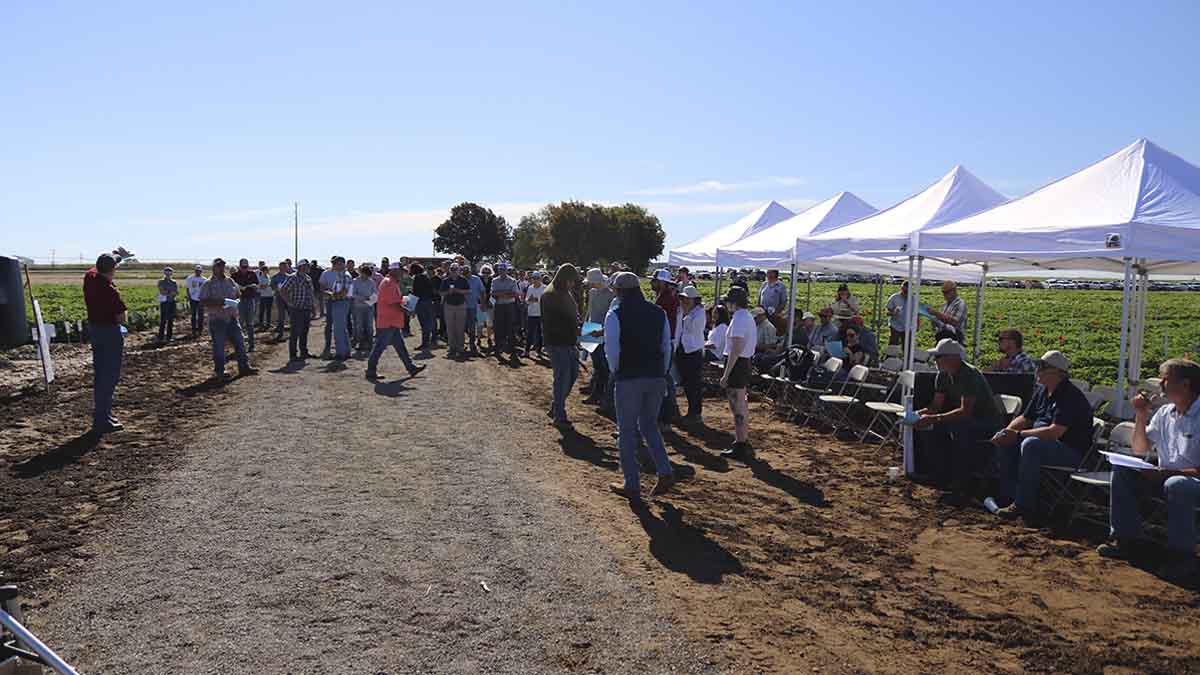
(809, 559)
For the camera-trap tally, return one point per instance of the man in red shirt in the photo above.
(389, 322)
(106, 313)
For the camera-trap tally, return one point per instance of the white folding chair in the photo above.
(843, 402)
(887, 413)
(891, 364)
(893, 351)
(1011, 405)
(807, 395)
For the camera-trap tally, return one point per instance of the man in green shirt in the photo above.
(962, 415)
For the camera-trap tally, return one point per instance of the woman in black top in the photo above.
(423, 288)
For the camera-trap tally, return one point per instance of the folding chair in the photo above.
(806, 401)
(845, 402)
(1010, 405)
(893, 351)
(891, 364)
(1082, 385)
(888, 413)
(1103, 394)
(1092, 480)
(1056, 479)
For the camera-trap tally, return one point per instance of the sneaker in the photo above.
(326, 356)
(374, 377)
(663, 486)
(415, 370)
(108, 428)
(247, 371)
(1117, 549)
(619, 488)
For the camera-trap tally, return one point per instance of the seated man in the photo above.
(962, 414)
(1175, 431)
(1055, 428)
(766, 346)
(866, 339)
(824, 331)
(1014, 360)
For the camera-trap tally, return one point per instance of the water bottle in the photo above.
(991, 505)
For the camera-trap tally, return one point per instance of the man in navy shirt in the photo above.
(1056, 428)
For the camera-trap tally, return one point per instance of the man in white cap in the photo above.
(278, 279)
(1055, 428)
(504, 299)
(689, 356)
(962, 414)
(194, 284)
(637, 344)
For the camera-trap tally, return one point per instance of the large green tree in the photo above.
(530, 241)
(639, 233)
(474, 233)
(588, 235)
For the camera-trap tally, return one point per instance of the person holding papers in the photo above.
(1174, 430)
(300, 298)
(220, 297)
(390, 323)
(168, 289)
(194, 283)
(363, 292)
(962, 414)
(1055, 428)
(533, 318)
(560, 324)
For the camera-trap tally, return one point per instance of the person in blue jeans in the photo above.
(637, 343)
(1054, 429)
(560, 326)
(335, 289)
(474, 297)
(1174, 430)
(223, 320)
(106, 313)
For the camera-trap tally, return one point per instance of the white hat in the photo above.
(664, 275)
(595, 276)
(948, 347)
(690, 292)
(303, 263)
(808, 315)
(1055, 359)
(625, 281)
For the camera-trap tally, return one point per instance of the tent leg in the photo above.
(1127, 287)
(978, 316)
(808, 302)
(717, 292)
(910, 345)
(791, 308)
(1138, 334)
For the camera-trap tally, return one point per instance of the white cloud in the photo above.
(707, 186)
(796, 204)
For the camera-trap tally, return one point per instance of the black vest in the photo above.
(642, 325)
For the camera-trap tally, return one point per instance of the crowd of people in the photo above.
(642, 350)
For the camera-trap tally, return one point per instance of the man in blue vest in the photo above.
(637, 343)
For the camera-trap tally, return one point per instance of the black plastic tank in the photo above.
(14, 328)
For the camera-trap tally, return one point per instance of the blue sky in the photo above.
(185, 132)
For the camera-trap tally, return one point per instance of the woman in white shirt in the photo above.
(194, 284)
(715, 346)
(689, 355)
(739, 349)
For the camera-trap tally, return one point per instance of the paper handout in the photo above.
(585, 333)
(1128, 461)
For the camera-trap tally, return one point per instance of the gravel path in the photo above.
(321, 524)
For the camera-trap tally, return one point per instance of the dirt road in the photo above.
(318, 523)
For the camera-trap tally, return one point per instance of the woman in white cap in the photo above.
(689, 356)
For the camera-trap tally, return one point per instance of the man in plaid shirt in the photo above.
(297, 293)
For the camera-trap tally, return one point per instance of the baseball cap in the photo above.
(199, 268)
(690, 292)
(303, 263)
(664, 275)
(626, 281)
(168, 269)
(948, 347)
(1055, 359)
(736, 294)
(595, 276)
(809, 315)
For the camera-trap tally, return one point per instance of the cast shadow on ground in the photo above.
(805, 493)
(291, 368)
(577, 446)
(56, 458)
(208, 385)
(694, 453)
(684, 548)
(393, 389)
(713, 439)
(422, 356)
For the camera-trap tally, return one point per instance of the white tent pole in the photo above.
(808, 301)
(978, 316)
(914, 292)
(717, 290)
(910, 345)
(908, 333)
(1119, 398)
(791, 307)
(1137, 354)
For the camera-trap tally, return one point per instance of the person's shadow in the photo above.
(56, 458)
(393, 389)
(694, 453)
(805, 493)
(291, 368)
(684, 548)
(577, 446)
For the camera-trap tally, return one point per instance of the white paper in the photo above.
(1128, 461)
(43, 344)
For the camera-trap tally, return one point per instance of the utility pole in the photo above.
(296, 231)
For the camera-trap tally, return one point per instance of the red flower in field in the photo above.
(1061, 339)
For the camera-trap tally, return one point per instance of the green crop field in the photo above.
(1083, 324)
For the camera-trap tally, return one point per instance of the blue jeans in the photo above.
(339, 314)
(364, 324)
(385, 337)
(247, 313)
(1021, 468)
(565, 363)
(222, 329)
(638, 403)
(1182, 494)
(533, 328)
(107, 346)
(197, 316)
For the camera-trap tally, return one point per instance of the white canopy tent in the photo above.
(1137, 211)
(776, 245)
(703, 251)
